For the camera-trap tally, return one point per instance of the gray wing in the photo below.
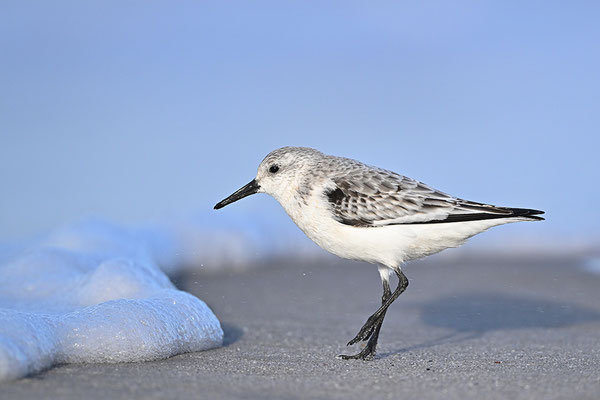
(371, 197)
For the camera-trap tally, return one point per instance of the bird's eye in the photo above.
(273, 169)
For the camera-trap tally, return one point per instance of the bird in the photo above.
(365, 213)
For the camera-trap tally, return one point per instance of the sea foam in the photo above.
(93, 293)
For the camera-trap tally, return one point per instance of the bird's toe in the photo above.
(366, 354)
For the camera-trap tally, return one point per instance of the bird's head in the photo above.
(279, 174)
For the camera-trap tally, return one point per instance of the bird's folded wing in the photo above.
(377, 197)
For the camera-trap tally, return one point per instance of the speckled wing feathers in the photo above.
(368, 197)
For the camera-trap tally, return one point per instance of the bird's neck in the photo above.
(302, 207)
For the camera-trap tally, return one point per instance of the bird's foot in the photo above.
(366, 331)
(366, 354)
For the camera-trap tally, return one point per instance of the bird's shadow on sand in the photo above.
(471, 315)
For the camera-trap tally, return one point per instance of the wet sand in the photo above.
(465, 329)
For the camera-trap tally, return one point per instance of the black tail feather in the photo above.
(501, 212)
(526, 212)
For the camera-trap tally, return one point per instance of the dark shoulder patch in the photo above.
(344, 207)
(335, 196)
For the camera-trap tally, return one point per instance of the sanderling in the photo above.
(370, 214)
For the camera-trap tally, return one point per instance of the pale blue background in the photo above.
(137, 111)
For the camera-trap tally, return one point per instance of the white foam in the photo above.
(214, 242)
(93, 293)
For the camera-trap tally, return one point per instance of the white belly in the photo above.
(389, 245)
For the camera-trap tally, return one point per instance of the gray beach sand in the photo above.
(465, 329)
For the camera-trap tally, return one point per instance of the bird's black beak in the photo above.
(247, 190)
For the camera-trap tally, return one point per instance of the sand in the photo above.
(470, 328)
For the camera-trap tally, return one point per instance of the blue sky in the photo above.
(138, 111)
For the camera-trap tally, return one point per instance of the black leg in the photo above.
(369, 351)
(372, 343)
(371, 328)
